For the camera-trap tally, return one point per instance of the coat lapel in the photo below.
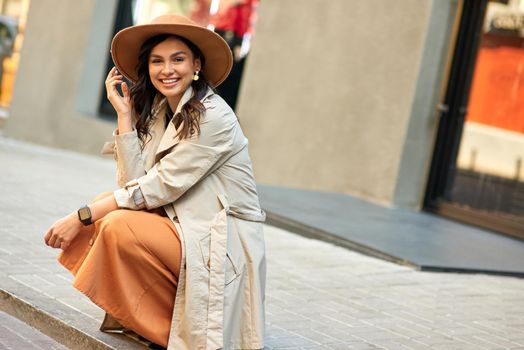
(170, 137)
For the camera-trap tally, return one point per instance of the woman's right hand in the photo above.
(122, 104)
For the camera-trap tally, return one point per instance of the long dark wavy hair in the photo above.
(144, 95)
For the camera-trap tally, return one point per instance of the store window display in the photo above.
(478, 170)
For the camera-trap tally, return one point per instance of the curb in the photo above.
(304, 230)
(58, 321)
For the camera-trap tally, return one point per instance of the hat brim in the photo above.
(126, 45)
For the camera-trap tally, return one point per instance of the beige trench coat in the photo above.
(206, 186)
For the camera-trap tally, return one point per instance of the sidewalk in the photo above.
(319, 296)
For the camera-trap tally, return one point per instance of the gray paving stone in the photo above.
(319, 296)
(290, 342)
(356, 346)
(438, 340)
(455, 346)
(487, 342)
(316, 336)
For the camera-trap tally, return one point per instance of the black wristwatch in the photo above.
(84, 215)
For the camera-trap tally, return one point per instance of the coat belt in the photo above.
(257, 217)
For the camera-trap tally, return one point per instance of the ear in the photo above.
(198, 64)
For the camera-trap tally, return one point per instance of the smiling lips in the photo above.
(169, 82)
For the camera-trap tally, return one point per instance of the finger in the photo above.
(115, 73)
(116, 81)
(47, 236)
(113, 80)
(110, 73)
(57, 244)
(112, 84)
(125, 89)
(52, 240)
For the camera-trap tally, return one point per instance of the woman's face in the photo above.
(171, 69)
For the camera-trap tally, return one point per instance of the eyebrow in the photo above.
(174, 54)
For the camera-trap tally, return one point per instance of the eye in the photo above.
(179, 59)
(156, 61)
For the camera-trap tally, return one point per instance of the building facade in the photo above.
(407, 103)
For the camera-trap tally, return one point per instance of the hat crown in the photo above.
(173, 19)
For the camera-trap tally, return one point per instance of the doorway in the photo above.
(477, 173)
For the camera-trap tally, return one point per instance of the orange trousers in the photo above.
(128, 264)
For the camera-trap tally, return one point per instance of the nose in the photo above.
(168, 69)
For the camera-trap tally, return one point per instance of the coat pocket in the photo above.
(232, 270)
(232, 263)
(205, 245)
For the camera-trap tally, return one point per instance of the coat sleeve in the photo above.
(128, 155)
(188, 162)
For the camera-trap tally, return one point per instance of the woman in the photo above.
(177, 253)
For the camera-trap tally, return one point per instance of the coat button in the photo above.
(175, 218)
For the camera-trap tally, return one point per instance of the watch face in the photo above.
(84, 213)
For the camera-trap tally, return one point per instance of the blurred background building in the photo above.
(409, 103)
(13, 15)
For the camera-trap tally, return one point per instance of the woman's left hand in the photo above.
(63, 231)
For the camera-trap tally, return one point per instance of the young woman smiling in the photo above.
(176, 254)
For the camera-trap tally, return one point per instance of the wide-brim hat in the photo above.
(127, 43)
